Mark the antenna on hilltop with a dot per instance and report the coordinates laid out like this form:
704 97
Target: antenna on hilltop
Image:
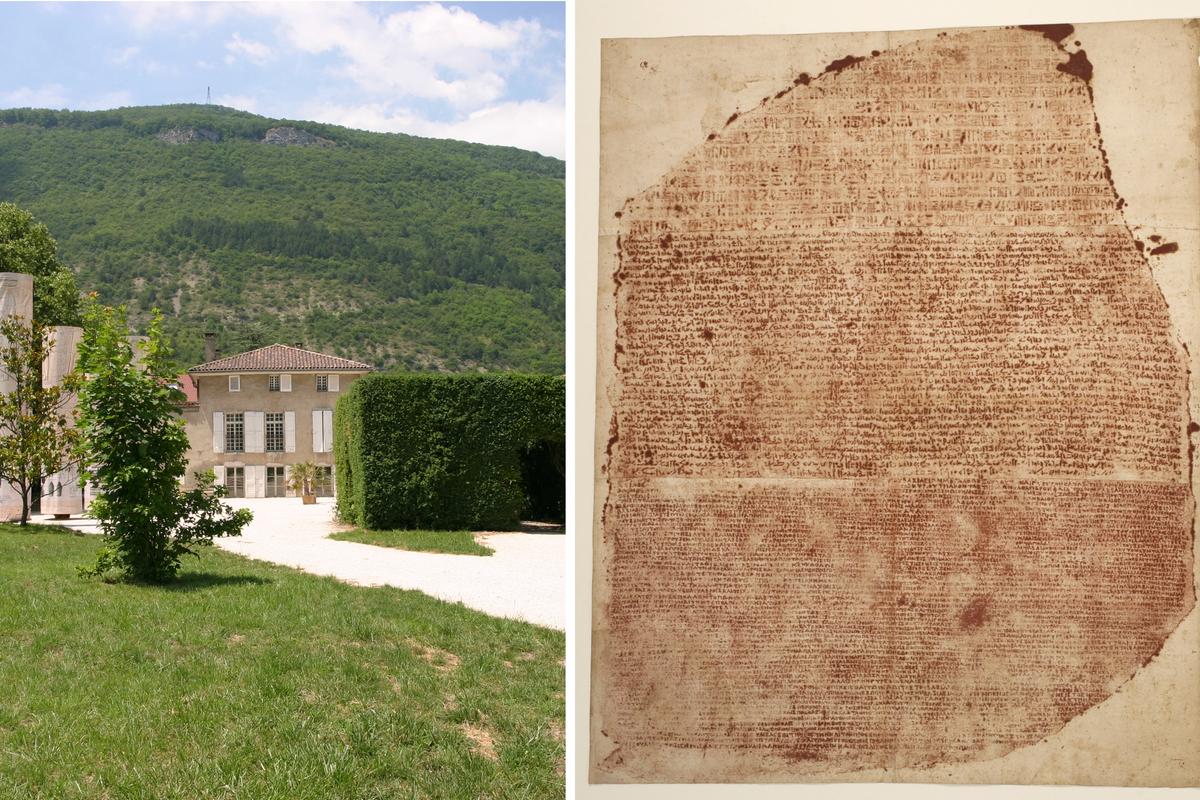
209 100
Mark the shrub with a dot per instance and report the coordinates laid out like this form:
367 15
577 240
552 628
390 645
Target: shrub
443 451
135 453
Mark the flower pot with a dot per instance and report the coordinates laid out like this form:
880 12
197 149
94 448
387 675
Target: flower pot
309 499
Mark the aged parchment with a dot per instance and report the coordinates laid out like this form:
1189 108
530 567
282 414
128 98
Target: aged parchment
897 479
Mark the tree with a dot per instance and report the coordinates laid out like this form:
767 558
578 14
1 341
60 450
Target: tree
134 450
26 246
37 436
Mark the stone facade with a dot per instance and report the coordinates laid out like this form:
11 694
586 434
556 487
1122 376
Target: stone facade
252 416
63 492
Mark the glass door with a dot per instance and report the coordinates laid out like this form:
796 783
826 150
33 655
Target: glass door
235 481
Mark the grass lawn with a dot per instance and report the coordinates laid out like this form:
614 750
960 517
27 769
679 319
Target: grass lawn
247 680
459 542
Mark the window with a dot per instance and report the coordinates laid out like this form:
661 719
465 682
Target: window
274 432
324 481
276 485
273 383
235 383
322 383
235 481
235 433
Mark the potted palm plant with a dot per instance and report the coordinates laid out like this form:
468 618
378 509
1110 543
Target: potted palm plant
302 479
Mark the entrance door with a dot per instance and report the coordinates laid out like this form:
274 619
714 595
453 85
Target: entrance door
276 486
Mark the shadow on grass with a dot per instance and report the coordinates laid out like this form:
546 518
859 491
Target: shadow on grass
193 581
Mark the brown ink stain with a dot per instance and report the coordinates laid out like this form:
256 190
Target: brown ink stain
1055 33
974 615
1165 248
1077 65
842 63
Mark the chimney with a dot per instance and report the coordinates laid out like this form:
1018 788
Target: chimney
210 347
298 345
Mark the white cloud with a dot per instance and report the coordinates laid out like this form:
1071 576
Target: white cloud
106 101
430 51
242 102
49 96
154 16
257 52
529 124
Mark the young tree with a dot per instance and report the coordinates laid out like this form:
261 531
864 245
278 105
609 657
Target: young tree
134 450
37 437
26 246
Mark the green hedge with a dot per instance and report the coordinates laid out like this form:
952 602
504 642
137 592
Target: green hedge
446 451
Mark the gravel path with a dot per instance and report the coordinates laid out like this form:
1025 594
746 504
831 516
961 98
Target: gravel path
524 579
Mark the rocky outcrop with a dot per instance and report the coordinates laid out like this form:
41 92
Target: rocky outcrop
188 135
286 136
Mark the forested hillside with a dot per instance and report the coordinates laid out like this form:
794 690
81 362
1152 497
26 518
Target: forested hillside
392 249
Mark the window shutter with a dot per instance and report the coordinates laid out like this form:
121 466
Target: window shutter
333 383
218 432
219 469
254 432
327 429
287 477
285 384
318 432
289 430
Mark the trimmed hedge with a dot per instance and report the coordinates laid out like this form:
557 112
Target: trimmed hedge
445 451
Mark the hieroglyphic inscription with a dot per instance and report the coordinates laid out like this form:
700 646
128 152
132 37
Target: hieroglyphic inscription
898 471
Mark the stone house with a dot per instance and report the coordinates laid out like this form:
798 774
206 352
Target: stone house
251 416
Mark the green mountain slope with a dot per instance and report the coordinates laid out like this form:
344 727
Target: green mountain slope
392 249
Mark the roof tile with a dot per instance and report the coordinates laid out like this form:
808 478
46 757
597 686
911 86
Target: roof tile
281 358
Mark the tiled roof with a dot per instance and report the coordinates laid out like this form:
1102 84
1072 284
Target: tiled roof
191 393
281 358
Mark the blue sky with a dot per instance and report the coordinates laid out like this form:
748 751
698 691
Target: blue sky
484 72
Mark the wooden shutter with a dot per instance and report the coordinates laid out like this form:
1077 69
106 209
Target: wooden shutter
333 383
318 432
218 432
327 429
219 469
289 431
285 385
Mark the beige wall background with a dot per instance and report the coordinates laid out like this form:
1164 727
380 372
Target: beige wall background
1140 180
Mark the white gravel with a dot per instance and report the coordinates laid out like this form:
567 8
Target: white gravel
524 579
